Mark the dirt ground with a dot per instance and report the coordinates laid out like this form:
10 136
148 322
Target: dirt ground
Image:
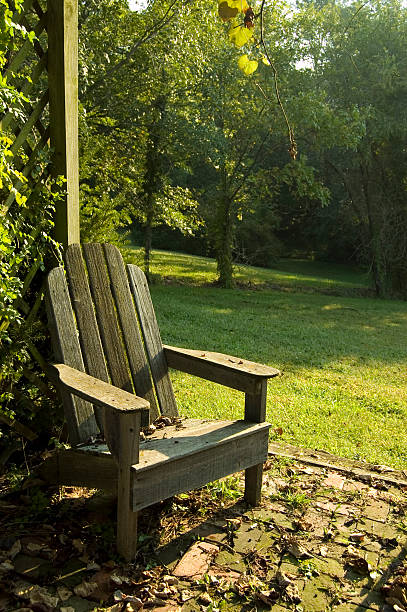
329 535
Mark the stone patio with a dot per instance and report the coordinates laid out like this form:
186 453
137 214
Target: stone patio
323 539
329 535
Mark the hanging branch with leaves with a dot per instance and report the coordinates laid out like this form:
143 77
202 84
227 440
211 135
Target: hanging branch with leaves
242 21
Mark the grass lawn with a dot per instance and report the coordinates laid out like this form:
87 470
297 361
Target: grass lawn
289 274
344 359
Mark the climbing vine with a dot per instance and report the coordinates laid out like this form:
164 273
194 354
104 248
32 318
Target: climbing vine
27 205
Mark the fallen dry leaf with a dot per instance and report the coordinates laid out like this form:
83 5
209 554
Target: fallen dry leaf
6 566
357 536
92 566
84 589
396 604
120 596
186 595
22 589
205 599
162 594
79 545
115 608
298 550
292 593
282 579
15 549
64 593
40 595
356 561
268 597
34 547
155 602
302 525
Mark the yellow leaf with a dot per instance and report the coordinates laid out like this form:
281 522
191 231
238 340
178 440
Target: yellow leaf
20 199
241 5
240 35
247 66
227 12
243 61
265 61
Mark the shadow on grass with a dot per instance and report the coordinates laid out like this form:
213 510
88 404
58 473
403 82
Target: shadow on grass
277 328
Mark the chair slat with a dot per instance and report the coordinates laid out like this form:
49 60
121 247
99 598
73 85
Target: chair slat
89 337
79 413
130 327
106 316
152 341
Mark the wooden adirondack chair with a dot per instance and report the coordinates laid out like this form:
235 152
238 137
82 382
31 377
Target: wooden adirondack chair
106 339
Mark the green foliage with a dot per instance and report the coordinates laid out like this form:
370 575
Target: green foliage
28 242
22 242
357 125
26 228
130 136
174 207
169 121
293 499
227 488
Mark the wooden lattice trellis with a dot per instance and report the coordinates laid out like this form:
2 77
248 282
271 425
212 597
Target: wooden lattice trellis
46 131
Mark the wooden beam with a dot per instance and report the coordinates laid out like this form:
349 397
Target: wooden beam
62 29
76 467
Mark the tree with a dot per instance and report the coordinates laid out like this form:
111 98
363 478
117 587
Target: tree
360 130
138 116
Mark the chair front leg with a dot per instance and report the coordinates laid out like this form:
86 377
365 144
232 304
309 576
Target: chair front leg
128 455
255 411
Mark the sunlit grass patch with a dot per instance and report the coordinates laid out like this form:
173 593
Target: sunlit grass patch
343 359
288 273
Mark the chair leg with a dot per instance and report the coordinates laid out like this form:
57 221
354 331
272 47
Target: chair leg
128 454
255 411
253 480
126 522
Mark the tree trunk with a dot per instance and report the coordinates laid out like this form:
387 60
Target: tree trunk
224 243
153 179
148 234
378 277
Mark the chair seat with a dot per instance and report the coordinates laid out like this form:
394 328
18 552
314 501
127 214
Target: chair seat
203 450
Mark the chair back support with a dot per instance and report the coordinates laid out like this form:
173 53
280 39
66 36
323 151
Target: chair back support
102 322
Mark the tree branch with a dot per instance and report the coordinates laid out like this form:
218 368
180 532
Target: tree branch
149 35
293 145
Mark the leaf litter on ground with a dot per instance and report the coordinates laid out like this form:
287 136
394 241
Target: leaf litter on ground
72 536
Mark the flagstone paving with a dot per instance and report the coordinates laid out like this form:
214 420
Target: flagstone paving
322 539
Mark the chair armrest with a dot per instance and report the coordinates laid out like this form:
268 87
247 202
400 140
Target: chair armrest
94 390
223 369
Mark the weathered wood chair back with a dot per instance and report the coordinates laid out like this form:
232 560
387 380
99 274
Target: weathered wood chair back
102 322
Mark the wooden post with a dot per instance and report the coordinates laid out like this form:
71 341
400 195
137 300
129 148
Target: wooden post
255 411
63 101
